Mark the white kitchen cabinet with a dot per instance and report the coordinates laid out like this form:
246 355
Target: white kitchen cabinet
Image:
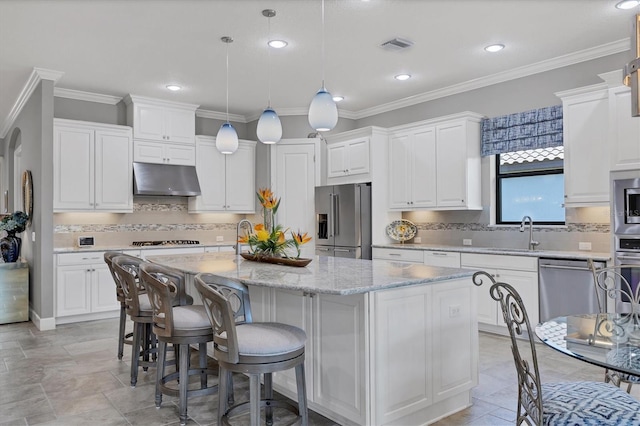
227 182
412 168
352 375
435 164
348 158
92 167
586 150
519 271
624 130
399 254
447 259
164 153
162 121
84 286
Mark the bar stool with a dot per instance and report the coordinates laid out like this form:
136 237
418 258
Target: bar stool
251 348
143 351
123 339
181 325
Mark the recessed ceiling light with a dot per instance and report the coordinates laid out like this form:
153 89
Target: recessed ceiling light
402 77
627 4
173 87
338 98
494 48
277 44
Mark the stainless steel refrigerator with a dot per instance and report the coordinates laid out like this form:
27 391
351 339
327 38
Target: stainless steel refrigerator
343 221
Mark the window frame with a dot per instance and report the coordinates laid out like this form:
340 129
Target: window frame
498 187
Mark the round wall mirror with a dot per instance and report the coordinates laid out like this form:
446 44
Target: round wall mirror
27 193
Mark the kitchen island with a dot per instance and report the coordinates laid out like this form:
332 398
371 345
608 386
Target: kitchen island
388 342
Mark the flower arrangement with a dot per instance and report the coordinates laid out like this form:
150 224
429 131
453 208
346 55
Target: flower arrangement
14 223
269 240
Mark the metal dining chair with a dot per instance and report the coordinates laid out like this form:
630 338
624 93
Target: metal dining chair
620 297
255 349
561 403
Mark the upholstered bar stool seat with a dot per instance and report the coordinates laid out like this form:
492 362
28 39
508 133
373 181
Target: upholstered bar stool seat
123 339
143 352
181 326
251 348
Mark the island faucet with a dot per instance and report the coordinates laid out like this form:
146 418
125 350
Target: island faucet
532 244
242 222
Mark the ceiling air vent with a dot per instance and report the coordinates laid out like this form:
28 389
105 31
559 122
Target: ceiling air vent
396 44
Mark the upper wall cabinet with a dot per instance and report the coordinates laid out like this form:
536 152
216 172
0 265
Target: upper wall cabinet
162 121
586 150
348 158
227 182
92 167
624 129
164 153
435 164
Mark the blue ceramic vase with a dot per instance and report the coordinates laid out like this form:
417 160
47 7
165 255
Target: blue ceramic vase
10 247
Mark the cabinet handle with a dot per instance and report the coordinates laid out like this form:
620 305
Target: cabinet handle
395 254
439 254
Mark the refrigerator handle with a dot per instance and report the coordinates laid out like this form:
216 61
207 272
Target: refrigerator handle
331 218
336 215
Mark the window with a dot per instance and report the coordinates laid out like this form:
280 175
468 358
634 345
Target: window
530 183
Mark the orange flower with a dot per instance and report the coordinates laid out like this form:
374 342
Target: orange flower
243 240
259 227
281 238
264 193
300 238
270 202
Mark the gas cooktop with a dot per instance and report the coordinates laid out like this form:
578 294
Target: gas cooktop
165 243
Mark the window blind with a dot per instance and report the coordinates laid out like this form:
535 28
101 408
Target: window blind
538 128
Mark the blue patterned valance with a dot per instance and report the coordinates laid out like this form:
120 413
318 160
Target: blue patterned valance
538 128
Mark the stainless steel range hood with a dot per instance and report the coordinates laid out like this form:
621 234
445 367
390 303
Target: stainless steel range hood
165 179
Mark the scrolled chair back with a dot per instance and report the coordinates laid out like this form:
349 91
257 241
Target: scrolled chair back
619 285
126 270
165 287
227 304
522 347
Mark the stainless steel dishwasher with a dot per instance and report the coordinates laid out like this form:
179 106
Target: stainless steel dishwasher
566 287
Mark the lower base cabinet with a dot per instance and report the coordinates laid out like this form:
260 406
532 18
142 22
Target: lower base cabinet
401 356
84 288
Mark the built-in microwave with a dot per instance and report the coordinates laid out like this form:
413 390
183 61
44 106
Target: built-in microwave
626 206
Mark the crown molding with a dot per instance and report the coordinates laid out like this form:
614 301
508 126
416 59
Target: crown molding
215 115
37 75
538 67
79 95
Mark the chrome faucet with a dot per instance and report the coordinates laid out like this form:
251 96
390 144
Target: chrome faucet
242 222
532 244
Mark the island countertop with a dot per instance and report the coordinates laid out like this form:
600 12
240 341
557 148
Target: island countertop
329 275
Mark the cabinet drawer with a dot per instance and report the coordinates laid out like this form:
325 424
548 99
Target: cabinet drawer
447 259
404 255
491 261
80 258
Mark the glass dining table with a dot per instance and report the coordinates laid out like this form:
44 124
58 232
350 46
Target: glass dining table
608 340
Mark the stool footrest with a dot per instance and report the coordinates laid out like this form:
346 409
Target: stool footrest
175 391
243 408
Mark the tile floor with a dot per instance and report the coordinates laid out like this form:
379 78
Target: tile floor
71 376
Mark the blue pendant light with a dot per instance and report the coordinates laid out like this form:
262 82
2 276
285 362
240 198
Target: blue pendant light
269 130
323 112
227 138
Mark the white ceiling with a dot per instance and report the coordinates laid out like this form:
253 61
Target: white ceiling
118 47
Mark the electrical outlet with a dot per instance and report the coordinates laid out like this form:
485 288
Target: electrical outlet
417 240
467 242
219 238
584 246
454 311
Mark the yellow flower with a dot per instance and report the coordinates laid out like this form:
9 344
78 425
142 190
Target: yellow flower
262 235
281 238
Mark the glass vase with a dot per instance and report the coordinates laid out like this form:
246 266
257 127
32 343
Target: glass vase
267 215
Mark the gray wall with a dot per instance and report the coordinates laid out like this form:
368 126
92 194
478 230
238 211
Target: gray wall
33 129
522 94
73 109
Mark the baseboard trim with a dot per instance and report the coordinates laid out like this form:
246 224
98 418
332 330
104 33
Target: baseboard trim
42 324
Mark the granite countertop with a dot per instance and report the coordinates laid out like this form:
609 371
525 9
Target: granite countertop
555 254
329 275
132 247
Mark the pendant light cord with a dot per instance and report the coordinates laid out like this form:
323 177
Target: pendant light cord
228 80
269 64
323 54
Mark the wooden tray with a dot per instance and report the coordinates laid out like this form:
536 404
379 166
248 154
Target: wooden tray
276 260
